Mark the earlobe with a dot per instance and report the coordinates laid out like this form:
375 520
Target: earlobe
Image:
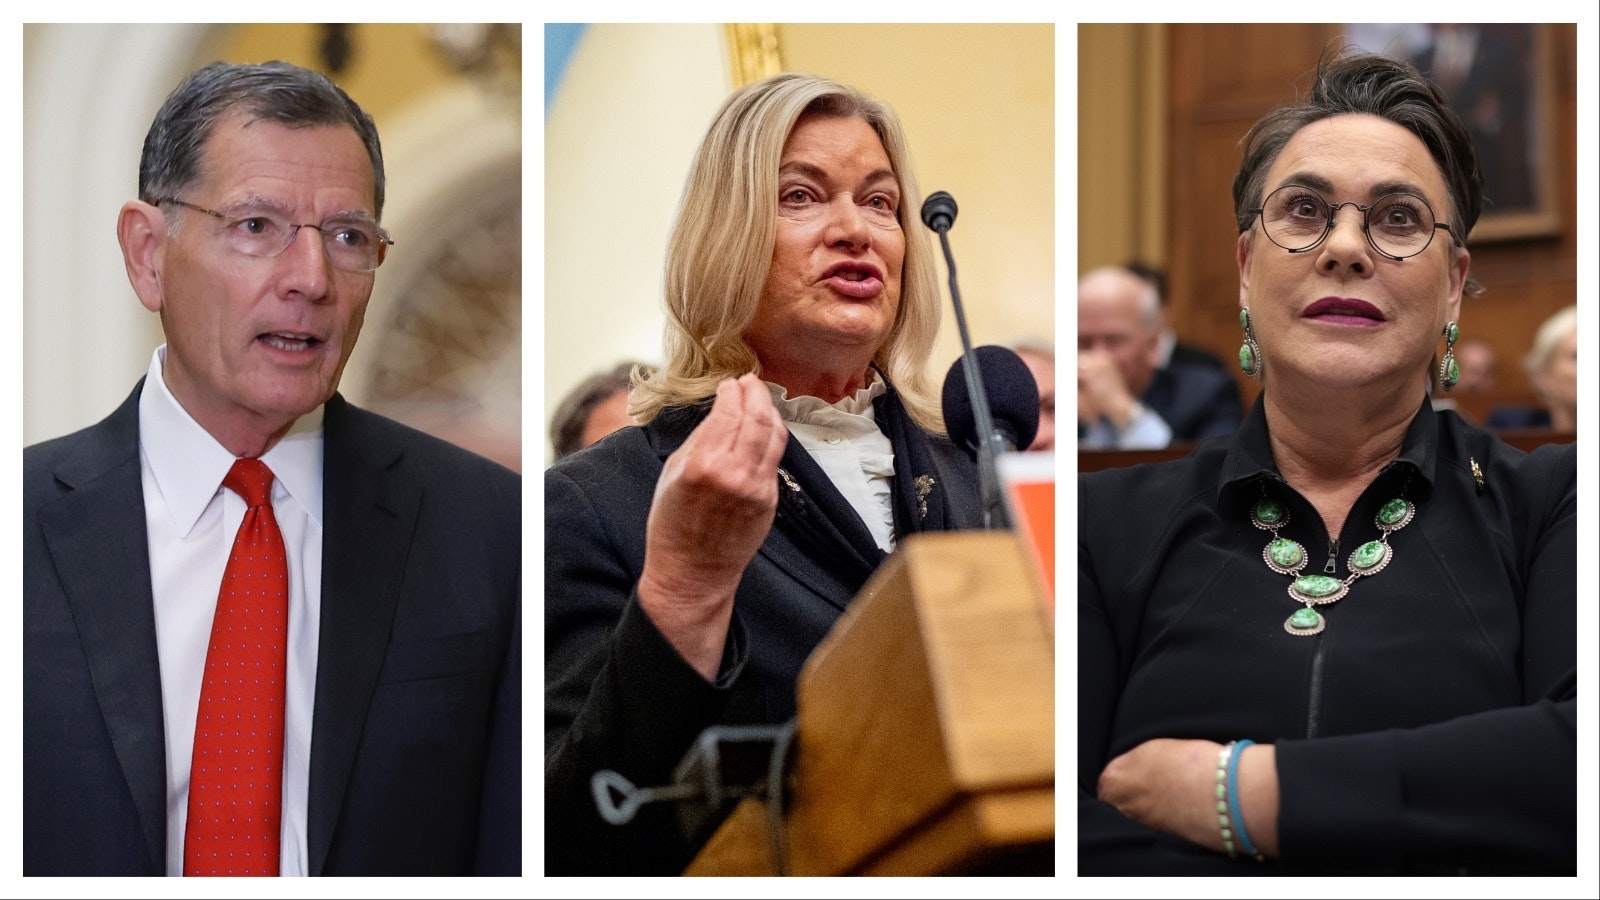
142 233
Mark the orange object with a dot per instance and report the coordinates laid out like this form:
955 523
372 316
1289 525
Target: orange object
1030 490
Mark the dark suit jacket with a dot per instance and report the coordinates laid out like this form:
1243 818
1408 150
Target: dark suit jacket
619 697
416 734
1510 417
1197 402
1190 355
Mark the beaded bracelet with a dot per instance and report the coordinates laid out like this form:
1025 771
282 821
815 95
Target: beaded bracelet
1224 805
1234 811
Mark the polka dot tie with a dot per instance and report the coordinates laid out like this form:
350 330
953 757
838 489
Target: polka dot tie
236 780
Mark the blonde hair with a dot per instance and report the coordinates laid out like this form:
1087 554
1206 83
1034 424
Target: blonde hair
1554 330
722 242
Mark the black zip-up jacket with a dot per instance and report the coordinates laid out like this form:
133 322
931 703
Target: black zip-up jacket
1430 728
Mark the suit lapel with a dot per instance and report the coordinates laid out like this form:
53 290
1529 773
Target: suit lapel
807 541
370 512
97 540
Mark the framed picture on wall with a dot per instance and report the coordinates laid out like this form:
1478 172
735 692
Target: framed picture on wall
1500 79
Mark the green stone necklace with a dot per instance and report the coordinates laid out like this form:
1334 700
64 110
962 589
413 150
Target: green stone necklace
1287 557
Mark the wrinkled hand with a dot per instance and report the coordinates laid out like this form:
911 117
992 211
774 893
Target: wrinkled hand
1169 785
713 506
1102 393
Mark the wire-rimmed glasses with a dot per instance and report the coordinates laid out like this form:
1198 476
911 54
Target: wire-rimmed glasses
351 245
1398 225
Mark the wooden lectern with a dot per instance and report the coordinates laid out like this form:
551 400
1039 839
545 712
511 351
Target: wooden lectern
926 736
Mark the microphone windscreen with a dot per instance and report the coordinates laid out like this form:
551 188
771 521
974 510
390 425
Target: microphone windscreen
939 211
1012 393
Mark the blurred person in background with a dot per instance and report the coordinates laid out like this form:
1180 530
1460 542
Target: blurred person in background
1040 357
594 409
1552 368
1171 350
1126 400
1479 367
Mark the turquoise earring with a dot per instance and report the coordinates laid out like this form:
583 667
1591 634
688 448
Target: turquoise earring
1249 351
1449 369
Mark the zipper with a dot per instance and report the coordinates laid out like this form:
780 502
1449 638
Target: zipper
1319 652
1314 702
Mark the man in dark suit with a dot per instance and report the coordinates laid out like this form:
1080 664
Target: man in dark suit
1126 399
391 713
1171 351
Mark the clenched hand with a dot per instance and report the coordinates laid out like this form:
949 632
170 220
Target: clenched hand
713 507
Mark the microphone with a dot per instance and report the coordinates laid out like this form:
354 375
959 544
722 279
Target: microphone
1013 400
939 213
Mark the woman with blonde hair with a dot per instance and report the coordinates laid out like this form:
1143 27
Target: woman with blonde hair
1552 368
788 441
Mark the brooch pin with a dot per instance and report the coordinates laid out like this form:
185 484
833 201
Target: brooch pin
788 480
1477 474
924 488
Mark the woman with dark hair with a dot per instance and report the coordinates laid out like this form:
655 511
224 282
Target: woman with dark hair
1342 639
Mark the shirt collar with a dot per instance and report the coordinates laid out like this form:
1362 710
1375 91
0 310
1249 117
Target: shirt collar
1249 458
816 411
189 464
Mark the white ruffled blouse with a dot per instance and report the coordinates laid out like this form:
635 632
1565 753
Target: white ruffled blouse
847 443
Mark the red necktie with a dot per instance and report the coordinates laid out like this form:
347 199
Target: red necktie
236 781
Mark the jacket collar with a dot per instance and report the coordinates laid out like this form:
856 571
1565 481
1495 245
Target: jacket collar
1249 459
813 517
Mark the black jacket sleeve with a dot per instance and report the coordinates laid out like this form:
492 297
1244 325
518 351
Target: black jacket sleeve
618 697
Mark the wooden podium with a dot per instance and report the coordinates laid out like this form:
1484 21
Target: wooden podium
926 735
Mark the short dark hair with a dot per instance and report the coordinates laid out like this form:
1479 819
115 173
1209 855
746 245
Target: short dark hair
566 426
272 91
1353 82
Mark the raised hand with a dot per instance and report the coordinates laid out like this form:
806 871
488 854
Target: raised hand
713 506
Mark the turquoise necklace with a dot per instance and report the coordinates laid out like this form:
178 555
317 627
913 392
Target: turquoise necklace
1287 557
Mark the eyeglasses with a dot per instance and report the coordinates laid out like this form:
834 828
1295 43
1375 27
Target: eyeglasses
352 246
1398 226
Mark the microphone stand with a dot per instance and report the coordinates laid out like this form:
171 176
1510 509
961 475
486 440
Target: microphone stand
938 213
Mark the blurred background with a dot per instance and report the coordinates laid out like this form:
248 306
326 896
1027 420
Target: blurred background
626 107
442 344
1161 109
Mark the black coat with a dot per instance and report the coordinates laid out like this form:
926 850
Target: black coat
618 696
1430 728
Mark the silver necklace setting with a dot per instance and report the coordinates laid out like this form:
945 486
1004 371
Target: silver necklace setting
1287 557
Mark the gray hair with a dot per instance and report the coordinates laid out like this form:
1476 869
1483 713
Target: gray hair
1129 280
272 91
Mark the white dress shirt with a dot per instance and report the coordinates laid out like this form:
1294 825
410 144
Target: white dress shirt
847 443
1146 430
191 521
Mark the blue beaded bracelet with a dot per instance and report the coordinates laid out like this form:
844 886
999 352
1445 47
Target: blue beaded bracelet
1234 813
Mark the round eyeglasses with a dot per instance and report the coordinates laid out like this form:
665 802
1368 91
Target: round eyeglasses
1398 226
351 245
